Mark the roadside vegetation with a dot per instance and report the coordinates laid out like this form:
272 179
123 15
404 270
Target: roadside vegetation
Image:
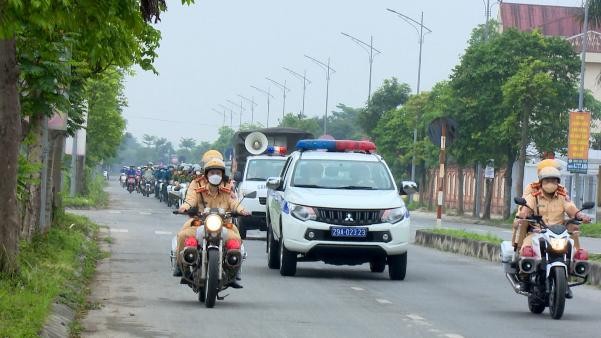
467 235
591 230
93 197
53 266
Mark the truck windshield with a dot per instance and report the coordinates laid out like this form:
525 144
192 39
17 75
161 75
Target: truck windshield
342 174
262 169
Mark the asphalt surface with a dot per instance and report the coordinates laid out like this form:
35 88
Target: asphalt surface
443 295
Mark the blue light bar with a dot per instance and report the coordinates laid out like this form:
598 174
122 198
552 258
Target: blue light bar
329 145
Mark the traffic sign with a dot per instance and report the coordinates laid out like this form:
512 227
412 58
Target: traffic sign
435 130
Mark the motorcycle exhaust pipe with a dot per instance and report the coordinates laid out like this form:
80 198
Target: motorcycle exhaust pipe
233 258
515 285
527 265
582 268
189 255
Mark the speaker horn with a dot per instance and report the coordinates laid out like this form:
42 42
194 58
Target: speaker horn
256 143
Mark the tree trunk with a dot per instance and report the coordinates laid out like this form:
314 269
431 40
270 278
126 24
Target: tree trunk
519 188
423 183
475 194
488 199
30 207
508 184
460 210
10 135
431 180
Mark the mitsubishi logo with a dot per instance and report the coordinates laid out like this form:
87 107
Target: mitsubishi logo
349 218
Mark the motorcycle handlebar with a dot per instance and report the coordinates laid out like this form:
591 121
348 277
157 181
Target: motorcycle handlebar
193 213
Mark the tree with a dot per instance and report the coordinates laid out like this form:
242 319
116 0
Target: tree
389 96
308 124
224 141
110 33
344 123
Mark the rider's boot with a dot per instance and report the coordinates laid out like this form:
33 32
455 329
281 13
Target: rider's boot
569 294
234 284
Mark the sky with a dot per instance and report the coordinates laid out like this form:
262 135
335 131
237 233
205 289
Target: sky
213 51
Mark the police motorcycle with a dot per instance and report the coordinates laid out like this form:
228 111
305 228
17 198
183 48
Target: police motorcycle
209 261
131 183
546 266
123 180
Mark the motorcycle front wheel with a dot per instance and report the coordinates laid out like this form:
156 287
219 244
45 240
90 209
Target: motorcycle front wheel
557 292
212 282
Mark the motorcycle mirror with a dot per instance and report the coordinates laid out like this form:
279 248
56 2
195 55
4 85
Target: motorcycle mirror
588 205
520 201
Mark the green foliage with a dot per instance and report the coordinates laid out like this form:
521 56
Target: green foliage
590 230
344 123
389 96
311 125
24 176
94 197
51 268
489 238
105 123
224 141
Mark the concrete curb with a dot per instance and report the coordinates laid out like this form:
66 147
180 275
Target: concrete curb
479 249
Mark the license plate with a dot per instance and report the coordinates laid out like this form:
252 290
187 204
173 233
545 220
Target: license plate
348 232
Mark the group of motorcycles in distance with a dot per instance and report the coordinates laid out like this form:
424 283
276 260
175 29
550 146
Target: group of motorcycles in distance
168 185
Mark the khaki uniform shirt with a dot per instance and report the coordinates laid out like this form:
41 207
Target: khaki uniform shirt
551 208
198 192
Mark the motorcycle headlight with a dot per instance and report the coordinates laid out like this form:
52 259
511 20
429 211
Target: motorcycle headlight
394 215
558 244
302 212
213 223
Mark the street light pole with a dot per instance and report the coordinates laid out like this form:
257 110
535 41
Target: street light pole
305 82
284 90
369 48
269 96
419 27
231 115
235 104
328 69
252 107
218 112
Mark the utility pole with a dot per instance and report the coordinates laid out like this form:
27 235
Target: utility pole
269 96
305 82
231 114
369 48
252 107
73 190
328 70
284 90
577 184
419 27
241 110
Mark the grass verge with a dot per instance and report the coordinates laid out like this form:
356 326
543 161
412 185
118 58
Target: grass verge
590 230
467 235
96 197
594 257
57 265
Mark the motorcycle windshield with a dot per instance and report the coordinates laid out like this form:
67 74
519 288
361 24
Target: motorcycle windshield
557 229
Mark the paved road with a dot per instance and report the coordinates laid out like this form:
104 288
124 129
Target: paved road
444 295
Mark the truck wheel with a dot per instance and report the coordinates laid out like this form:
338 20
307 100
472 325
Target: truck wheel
273 251
287 260
397 266
377 265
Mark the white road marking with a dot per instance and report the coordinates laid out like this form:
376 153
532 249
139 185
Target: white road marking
415 317
357 288
145 213
119 230
507 231
383 301
158 232
114 212
453 335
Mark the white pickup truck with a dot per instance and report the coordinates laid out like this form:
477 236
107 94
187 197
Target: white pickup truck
258 169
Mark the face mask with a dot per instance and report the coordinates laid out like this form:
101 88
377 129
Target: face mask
550 187
215 179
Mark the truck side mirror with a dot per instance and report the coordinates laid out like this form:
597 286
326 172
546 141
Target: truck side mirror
407 188
274 183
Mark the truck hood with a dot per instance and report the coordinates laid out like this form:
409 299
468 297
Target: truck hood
344 199
258 186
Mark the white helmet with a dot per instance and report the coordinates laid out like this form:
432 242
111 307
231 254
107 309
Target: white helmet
549 172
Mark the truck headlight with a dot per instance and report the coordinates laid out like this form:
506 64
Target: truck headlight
394 215
302 212
213 223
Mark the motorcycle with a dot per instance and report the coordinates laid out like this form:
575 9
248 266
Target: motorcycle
545 267
138 184
147 187
131 184
210 260
123 180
